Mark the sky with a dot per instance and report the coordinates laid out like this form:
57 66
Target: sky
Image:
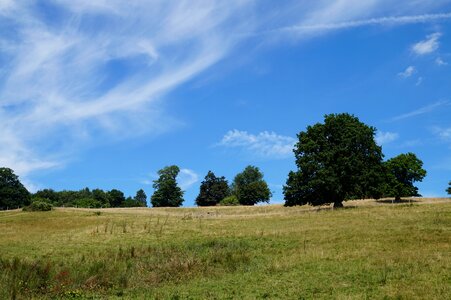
104 93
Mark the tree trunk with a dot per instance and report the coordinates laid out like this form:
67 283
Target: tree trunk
338 204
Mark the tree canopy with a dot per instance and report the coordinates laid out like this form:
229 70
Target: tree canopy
336 160
167 193
212 190
402 171
141 198
449 188
250 188
12 192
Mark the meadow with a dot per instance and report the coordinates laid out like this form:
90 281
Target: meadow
368 250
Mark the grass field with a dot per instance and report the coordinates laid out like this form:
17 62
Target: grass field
369 250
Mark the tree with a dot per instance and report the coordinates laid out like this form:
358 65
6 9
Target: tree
402 171
102 197
12 193
167 193
141 198
116 198
212 190
449 188
48 194
337 160
249 187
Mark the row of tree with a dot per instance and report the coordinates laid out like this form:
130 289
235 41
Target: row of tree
13 194
248 188
336 161
96 198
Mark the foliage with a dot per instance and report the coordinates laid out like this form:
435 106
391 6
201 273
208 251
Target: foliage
97 198
12 193
167 193
336 160
229 201
141 198
402 171
250 188
212 190
101 197
116 198
49 194
88 203
38 206
449 188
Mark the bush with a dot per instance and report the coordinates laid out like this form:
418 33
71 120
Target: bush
38 206
229 201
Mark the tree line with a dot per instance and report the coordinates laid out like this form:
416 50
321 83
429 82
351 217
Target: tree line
336 160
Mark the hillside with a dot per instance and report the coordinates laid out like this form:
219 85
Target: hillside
367 250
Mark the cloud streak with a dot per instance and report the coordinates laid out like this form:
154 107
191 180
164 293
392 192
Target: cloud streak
384 21
264 144
74 79
421 111
82 72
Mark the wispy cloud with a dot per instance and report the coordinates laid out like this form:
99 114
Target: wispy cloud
419 81
74 79
443 133
265 144
427 46
90 71
383 138
386 21
187 178
440 62
421 111
408 72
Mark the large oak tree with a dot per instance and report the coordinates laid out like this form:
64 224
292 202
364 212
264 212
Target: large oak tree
336 160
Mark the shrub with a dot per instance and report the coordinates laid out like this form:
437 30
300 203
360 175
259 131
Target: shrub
229 201
38 206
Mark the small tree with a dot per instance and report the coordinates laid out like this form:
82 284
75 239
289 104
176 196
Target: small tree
141 198
449 188
337 160
12 193
402 171
212 190
167 192
249 187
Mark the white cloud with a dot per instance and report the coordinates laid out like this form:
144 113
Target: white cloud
383 138
440 62
409 71
187 178
57 90
427 46
419 81
313 25
265 144
443 133
423 110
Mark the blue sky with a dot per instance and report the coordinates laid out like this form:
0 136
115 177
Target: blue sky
104 93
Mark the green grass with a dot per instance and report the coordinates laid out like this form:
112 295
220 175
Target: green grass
368 251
